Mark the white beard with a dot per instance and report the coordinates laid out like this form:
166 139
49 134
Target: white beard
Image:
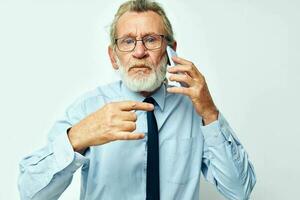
149 82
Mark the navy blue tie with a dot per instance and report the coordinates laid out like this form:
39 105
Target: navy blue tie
152 185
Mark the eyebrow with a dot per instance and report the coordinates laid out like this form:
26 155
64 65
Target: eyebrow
135 36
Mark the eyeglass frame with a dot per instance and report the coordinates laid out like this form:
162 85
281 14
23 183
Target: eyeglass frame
142 40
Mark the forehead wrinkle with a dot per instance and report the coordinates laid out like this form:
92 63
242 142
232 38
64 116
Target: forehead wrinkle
141 23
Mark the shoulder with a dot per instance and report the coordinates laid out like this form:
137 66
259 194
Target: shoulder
96 97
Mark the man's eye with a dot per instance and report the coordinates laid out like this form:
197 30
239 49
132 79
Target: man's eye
150 39
128 41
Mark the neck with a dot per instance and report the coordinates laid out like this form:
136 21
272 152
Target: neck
148 94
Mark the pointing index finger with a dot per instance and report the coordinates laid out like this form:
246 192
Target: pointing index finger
135 105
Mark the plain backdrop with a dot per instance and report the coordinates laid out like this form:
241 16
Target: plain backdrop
52 51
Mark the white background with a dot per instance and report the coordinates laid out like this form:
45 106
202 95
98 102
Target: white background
52 51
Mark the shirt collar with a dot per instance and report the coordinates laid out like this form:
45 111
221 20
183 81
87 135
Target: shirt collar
159 95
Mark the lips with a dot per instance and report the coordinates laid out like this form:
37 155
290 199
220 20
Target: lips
139 68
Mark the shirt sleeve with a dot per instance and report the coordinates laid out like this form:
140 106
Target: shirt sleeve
225 162
47 172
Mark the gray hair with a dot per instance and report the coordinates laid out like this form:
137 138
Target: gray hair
141 6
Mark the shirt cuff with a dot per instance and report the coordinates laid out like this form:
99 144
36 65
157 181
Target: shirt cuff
65 155
219 132
215 133
212 134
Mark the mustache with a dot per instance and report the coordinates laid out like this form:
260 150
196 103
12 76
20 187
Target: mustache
137 64
142 63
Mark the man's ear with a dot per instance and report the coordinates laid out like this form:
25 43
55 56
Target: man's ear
112 56
174 46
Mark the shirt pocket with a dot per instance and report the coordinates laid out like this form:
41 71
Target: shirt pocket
180 161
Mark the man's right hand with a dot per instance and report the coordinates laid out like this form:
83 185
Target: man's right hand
114 121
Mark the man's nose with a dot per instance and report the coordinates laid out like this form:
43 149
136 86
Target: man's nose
139 50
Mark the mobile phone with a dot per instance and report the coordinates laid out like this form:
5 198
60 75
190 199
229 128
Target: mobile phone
171 63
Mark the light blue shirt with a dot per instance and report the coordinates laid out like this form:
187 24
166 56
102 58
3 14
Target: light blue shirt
117 170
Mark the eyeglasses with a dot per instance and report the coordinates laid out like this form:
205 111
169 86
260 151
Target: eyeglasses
151 42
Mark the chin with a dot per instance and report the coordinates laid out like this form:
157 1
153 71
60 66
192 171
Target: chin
139 75
142 84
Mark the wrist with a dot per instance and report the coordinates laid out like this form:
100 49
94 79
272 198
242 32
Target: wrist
210 116
75 140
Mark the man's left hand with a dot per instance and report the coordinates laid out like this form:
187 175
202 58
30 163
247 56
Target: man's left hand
196 88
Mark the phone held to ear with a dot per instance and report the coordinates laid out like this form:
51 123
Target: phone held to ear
171 63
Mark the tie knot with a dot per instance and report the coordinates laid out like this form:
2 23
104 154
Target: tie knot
150 100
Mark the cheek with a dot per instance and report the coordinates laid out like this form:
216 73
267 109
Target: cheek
124 59
156 58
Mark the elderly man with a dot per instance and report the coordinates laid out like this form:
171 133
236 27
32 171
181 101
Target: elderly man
140 138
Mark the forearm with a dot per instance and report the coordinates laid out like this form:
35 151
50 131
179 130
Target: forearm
48 172
233 174
226 161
